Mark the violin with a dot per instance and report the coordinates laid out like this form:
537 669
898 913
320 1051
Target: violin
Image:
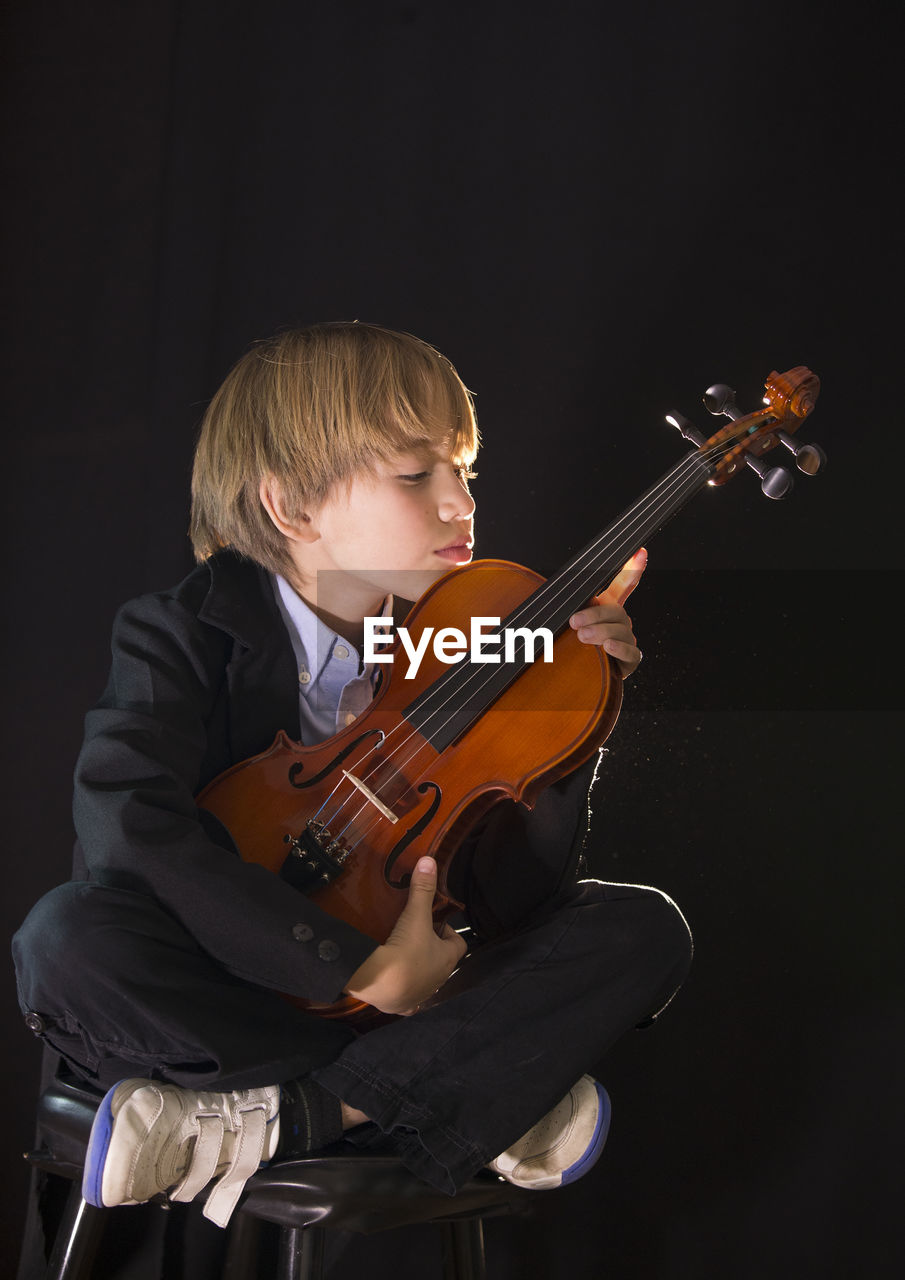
346 820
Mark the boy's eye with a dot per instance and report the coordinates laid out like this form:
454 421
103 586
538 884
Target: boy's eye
463 473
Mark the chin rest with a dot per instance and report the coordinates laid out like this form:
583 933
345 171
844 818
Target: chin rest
338 1188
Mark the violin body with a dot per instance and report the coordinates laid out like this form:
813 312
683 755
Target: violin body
546 724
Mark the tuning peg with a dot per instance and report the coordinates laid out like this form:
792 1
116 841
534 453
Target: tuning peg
776 482
687 428
721 399
809 458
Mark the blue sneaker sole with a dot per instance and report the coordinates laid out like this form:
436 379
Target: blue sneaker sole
98 1146
595 1146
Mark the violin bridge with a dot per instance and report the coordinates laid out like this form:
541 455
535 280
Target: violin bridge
369 795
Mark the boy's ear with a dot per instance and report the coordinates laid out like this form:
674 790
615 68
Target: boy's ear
296 529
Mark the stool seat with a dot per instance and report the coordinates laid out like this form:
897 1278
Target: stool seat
365 1192
341 1187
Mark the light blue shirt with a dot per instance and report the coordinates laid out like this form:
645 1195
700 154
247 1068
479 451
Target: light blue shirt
334 686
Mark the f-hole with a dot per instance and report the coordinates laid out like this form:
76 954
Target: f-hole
409 836
296 769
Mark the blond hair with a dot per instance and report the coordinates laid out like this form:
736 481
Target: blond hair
311 408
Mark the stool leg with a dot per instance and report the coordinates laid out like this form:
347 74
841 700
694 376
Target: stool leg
463 1250
77 1239
301 1254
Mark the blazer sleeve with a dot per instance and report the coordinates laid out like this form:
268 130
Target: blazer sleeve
140 829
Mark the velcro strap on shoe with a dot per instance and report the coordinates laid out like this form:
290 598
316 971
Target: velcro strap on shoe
204 1161
246 1159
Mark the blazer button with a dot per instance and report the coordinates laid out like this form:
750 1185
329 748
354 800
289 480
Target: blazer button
35 1023
328 950
302 932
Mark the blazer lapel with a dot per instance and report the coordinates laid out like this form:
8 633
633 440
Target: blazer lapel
261 677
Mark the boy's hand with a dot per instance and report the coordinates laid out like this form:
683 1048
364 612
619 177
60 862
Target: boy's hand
606 623
415 960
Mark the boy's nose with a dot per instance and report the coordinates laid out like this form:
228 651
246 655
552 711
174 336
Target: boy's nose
457 505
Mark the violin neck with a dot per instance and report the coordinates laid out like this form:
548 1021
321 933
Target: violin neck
595 565
457 699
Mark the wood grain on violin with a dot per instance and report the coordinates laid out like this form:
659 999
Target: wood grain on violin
347 819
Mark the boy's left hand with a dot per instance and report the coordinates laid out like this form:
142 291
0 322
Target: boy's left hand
606 623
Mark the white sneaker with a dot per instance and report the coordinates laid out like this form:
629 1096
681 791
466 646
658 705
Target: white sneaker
150 1139
562 1146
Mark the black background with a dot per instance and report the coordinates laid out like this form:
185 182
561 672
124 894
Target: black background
596 211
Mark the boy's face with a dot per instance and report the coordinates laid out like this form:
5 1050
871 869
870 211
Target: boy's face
396 529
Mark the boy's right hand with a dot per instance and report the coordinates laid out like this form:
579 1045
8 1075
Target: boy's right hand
415 960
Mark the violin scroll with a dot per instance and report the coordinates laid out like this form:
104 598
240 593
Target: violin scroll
789 398
794 393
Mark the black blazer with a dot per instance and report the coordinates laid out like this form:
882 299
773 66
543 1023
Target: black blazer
204 676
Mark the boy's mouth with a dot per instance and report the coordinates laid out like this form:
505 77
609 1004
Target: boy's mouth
457 552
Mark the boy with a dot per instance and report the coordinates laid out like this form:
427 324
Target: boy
331 479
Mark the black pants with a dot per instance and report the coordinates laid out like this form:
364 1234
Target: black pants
118 987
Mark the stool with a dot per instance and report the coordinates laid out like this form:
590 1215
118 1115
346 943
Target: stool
341 1189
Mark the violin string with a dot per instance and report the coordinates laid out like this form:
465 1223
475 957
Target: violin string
671 482
662 494
552 591
474 675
